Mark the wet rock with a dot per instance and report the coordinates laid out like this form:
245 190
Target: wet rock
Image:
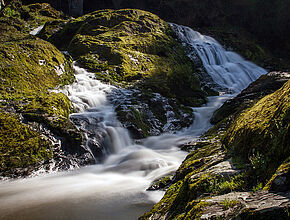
150 114
161 184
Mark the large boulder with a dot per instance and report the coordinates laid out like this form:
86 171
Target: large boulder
261 133
131 46
136 50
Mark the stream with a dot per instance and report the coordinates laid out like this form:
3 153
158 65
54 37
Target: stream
115 188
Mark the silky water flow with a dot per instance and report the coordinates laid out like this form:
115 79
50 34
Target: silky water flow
115 188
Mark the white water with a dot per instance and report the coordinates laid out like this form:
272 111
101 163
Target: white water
228 69
114 189
36 30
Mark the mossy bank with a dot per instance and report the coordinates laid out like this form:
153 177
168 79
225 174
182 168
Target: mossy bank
32 116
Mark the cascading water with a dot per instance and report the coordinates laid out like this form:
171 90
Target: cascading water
116 188
227 69
96 117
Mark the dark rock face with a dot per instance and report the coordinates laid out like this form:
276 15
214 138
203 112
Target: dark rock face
265 85
146 114
76 8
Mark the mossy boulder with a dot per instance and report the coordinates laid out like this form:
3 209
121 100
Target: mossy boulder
32 65
261 133
132 47
280 181
20 146
203 174
219 169
17 20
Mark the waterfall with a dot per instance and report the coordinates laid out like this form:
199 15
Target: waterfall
116 187
226 68
96 116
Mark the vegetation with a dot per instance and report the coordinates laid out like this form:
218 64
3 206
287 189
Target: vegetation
29 68
20 146
261 133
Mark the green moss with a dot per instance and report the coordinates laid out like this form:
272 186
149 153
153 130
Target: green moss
227 204
173 194
20 146
31 16
132 47
29 68
196 209
31 65
162 183
282 171
49 104
261 133
236 183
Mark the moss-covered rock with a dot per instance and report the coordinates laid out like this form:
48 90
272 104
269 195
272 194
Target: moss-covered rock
29 69
261 133
31 65
280 181
17 20
204 184
131 47
263 86
20 146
